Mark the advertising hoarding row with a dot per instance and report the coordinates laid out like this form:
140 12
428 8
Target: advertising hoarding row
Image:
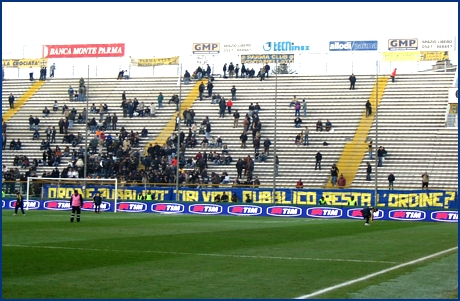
24 63
245 210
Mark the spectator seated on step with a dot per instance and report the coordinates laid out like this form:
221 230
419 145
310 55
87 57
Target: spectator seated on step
212 142
36 135
77 139
225 149
228 159
55 106
297 122
46 112
93 109
298 139
293 101
319 125
328 125
204 143
144 132
224 178
218 142
44 145
262 157
257 108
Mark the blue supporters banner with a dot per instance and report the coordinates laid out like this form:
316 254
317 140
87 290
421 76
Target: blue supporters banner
440 199
353 45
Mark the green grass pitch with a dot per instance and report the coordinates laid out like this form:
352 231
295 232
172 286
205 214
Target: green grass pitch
144 255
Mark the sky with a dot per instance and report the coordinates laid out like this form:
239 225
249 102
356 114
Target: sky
165 29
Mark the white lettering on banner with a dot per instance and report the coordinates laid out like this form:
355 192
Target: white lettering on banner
105 50
87 50
56 51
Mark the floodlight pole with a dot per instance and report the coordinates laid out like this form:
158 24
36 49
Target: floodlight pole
274 135
376 159
178 133
85 171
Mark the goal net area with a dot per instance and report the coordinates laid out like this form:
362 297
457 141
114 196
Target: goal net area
59 191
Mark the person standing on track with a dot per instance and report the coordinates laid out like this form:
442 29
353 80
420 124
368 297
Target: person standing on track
19 203
76 202
97 200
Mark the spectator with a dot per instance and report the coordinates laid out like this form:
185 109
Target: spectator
297 108
36 123
328 125
342 181
11 100
46 112
352 80
209 87
236 117
144 132
186 77
297 122
298 139
368 108
319 125
70 92
233 91
380 155
393 75
225 70
160 100
201 90
299 184
256 182
229 106
222 106
305 136
36 135
391 179
293 101
31 123
237 70
318 158
262 157
368 171
334 174
267 70
304 107
231 70
267 144
369 149
425 179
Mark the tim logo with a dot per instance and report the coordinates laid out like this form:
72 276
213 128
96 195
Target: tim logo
324 212
210 48
445 216
168 208
244 210
407 215
402 44
27 204
284 211
56 205
131 207
356 213
89 206
205 209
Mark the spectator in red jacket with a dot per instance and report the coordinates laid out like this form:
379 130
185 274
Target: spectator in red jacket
393 75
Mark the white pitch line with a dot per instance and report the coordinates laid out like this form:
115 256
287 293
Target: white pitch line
205 254
331 288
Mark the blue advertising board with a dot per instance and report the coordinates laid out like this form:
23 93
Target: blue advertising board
353 45
441 199
243 209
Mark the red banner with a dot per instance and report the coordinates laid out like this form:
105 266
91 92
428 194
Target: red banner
84 50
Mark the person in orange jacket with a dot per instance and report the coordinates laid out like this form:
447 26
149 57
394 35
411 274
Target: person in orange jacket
393 75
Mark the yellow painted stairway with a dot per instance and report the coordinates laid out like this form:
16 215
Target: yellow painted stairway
18 103
171 124
354 150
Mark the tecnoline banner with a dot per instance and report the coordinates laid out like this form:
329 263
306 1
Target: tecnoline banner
24 63
440 199
84 50
241 209
353 45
